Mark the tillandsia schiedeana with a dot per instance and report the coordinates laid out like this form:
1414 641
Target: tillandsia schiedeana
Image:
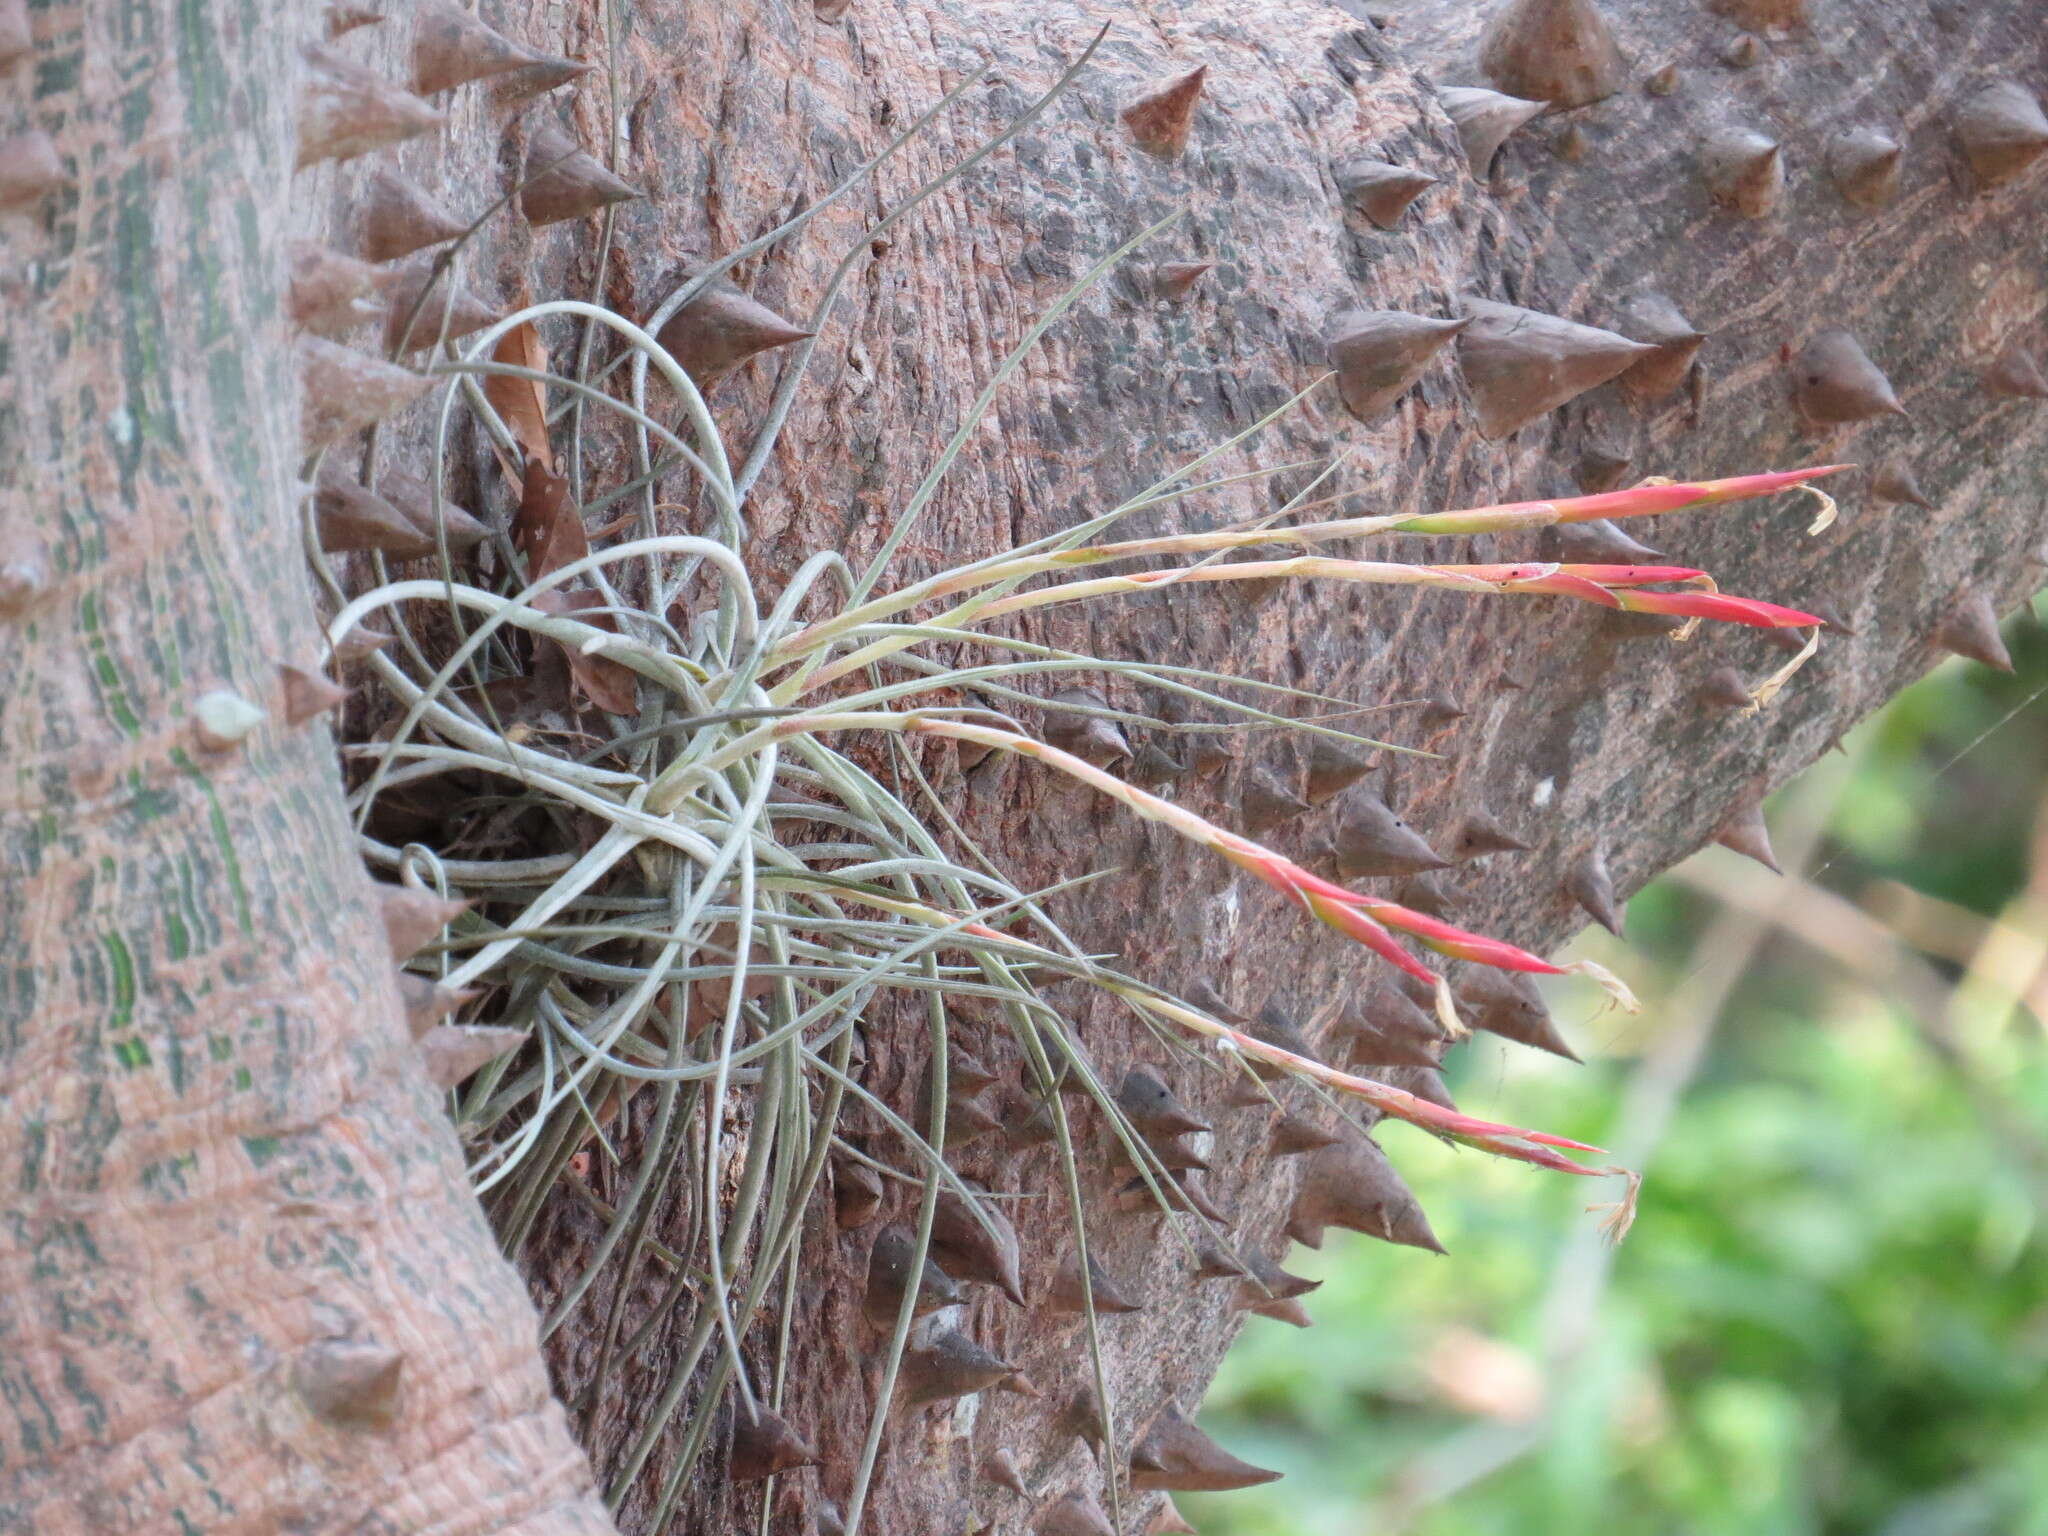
745 858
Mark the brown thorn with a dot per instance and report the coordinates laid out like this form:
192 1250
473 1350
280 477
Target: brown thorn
1894 481
1379 354
764 1446
2003 132
342 391
1520 364
949 1365
1264 801
1745 52
1066 1297
970 1250
1834 381
1590 885
1483 834
1558 51
1000 1467
547 72
450 47
856 1193
1332 769
1295 1134
345 111
330 293
1160 121
1173 281
414 918
2016 375
1864 164
1724 688
1072 1514
1506 1003
1093 738
351 1383
1167 1520
1746 832
1652 318
1352 1185
436 522
1484 119
423 306
307 693
566 183
1970 629
1153 1108
398 217
1372 840
1286 1310
1744 171
454 1053
351 518
427 1002
720 329
889 1264
1599 542
1380 191
1174 1453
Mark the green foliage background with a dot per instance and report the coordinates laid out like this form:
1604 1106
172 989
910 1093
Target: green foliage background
1832 1313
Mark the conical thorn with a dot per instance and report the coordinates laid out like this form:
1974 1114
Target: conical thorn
1744 171
720 329
454 1053
1379 354
1160 121
1174 1453
1559 51
450 47
2003 131
1592 887
345 111
351 1383
1745 831
1380 191
565 183
307 693
1520 363
1970 629
1484 119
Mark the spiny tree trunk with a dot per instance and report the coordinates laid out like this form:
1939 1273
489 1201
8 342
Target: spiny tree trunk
243 1285
166 556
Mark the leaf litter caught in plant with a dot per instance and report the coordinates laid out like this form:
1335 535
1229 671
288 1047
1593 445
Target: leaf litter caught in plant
549 532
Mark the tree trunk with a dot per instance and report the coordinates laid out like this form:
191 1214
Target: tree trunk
243 1285
167 885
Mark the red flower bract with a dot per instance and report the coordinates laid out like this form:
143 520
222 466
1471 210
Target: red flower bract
1716 605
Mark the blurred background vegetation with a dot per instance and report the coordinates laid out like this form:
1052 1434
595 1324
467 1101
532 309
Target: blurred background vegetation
1832 1313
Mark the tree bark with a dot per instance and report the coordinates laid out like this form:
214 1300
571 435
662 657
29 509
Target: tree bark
243 1285
1579 730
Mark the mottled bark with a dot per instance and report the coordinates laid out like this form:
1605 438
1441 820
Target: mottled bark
229 1199
1579 729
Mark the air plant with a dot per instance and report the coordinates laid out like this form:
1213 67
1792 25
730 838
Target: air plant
754 861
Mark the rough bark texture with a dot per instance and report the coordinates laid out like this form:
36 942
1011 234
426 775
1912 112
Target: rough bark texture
218 1153
1581 728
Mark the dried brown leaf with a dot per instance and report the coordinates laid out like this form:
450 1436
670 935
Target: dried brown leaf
549 532
522 403
605 682
549 528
